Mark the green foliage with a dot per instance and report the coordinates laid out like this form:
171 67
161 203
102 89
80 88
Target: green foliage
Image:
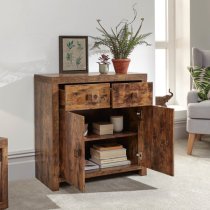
69 57
78 61
70 44
122 40
79 46
201 80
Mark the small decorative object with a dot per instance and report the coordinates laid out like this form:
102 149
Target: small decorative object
121 41
86 130
161 100
73 54
103 64
102 128
117 122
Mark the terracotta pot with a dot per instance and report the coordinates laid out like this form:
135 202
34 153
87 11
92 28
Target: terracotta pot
121 65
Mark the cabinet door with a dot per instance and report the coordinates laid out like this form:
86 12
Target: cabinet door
156 139
72 155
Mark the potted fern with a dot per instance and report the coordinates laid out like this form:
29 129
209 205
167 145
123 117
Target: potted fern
121 41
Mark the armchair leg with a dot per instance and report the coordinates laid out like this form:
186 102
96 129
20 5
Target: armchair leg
191 140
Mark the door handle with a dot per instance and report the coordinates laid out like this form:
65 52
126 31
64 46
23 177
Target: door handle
77 153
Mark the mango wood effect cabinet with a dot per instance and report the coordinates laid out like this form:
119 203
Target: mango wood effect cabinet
64 103
3 173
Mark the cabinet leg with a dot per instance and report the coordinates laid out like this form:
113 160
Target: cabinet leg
143 171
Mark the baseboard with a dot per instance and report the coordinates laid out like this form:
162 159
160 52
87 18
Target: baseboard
21 165
180 129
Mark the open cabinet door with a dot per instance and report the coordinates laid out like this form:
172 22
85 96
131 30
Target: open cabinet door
156 138
72 155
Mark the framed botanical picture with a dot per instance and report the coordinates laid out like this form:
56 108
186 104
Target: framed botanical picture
73 54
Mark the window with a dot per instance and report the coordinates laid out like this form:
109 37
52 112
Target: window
164 53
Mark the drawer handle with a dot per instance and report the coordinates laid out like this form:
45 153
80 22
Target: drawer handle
92 98
89 97
133 96
77 153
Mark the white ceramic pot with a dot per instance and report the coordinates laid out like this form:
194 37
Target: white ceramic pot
103 68
117 122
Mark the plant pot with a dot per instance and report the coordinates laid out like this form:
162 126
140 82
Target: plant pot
121 65
103 68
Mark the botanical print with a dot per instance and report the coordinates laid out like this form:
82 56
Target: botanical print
74 54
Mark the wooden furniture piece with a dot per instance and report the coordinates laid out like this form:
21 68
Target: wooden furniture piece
3 173
64 103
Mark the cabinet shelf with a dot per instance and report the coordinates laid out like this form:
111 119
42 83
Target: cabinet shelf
111 170
95 137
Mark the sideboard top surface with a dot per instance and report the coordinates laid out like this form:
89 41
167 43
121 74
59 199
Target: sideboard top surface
90 77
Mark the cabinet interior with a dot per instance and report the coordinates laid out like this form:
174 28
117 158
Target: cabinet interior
96 115
128 137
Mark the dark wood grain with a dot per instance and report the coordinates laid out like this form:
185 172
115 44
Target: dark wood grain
156 139
61 148
72 149
91 78
145 134
130 124
131 94
163 160
86 96
95 137
111 170
47 134
3 173
46 94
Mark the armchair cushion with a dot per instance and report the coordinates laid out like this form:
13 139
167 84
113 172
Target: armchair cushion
192 97
201 79
199 110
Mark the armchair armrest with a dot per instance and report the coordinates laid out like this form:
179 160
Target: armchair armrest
192 97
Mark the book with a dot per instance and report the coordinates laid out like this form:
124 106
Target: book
107 154
103 126
102 132
107 146
120 163
89 165
109 160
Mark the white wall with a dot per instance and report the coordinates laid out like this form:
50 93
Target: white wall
192 30
29 44
199 27
182 44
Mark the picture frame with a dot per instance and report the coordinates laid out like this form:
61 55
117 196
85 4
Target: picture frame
73 54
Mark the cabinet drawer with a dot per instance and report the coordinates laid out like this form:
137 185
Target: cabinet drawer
131 94
87 96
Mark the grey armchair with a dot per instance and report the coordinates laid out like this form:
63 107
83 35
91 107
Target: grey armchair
198 113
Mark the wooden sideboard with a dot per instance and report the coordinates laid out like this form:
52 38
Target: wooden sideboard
3 173
65 102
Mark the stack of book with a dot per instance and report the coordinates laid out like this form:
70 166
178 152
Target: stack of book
103 128
89 165
109 155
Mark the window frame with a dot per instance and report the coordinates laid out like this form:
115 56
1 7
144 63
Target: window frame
169 46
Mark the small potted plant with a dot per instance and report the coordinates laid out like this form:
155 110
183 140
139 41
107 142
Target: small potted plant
103 64
121 41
